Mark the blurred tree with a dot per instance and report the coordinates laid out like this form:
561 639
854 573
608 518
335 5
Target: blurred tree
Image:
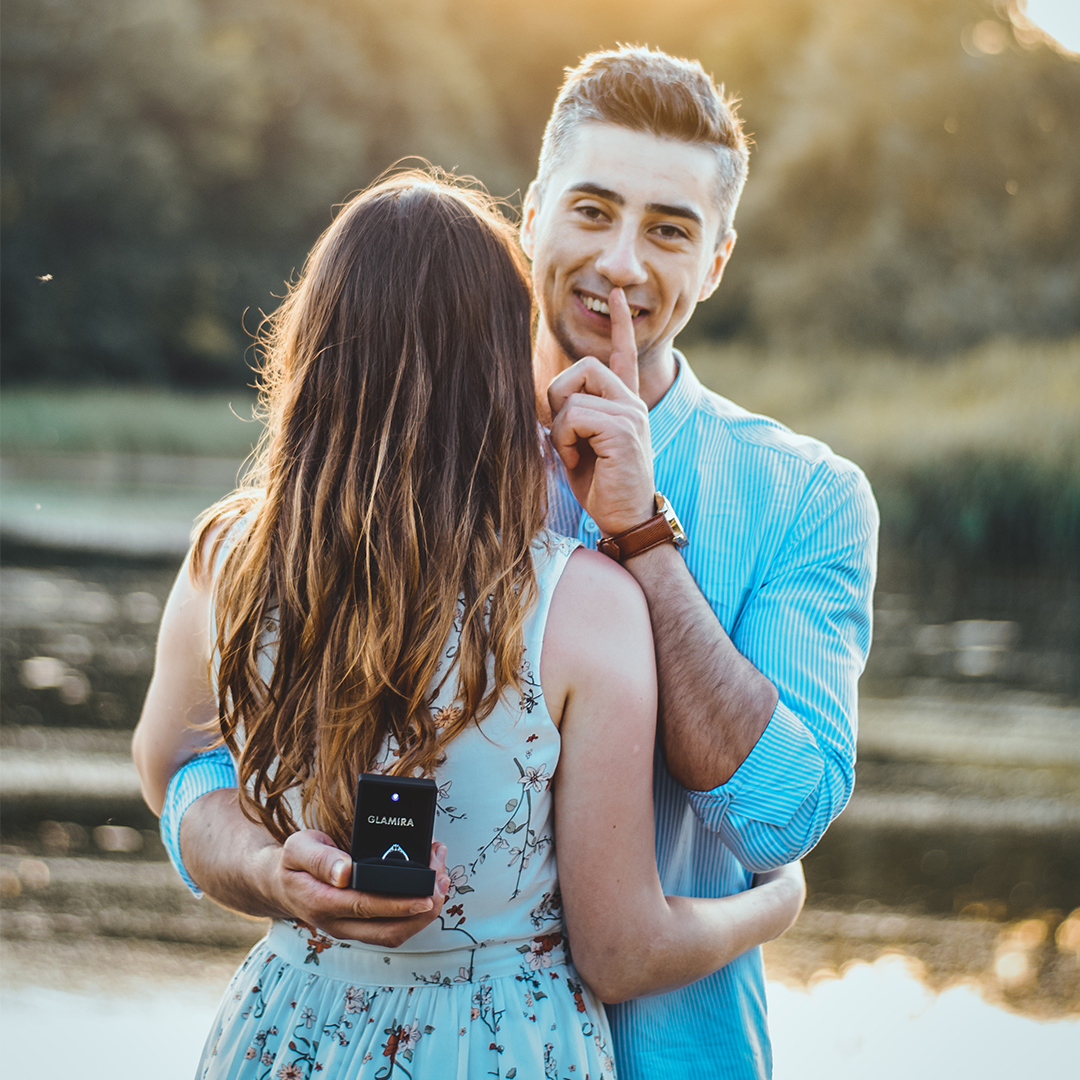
912 194
168 162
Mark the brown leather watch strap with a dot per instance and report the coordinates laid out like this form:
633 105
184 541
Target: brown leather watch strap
644 537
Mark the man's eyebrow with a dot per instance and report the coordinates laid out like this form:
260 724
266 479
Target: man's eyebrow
675 211
587 188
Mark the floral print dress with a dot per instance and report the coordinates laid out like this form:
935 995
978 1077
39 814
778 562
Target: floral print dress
488 989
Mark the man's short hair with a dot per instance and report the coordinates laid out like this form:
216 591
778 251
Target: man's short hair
647 90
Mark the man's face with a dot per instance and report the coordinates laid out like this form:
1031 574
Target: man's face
627 209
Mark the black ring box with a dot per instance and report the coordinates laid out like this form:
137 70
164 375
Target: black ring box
391 842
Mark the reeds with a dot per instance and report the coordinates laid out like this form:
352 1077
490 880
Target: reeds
976 456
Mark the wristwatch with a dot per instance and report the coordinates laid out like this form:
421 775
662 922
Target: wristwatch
664 527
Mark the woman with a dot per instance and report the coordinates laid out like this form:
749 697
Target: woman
387 599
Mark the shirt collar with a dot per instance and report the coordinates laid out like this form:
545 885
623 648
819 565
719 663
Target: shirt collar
674 408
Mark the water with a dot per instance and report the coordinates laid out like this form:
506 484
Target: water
942 931
876 1021
154 1032
880 1022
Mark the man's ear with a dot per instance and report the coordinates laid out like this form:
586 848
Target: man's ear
720 260
528 219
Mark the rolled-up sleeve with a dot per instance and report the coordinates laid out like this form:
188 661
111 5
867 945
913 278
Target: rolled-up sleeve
807 628
209 771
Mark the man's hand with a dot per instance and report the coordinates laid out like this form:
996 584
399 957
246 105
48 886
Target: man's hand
600 430
237 863
311 883
714 704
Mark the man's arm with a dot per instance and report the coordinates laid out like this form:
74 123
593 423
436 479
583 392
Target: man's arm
720 702
714 704
808 627
761 727
238 864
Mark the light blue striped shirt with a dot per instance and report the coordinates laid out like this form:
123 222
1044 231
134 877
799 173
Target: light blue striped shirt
783 546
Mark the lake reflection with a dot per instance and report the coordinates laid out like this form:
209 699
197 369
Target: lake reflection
1028 966
133 1010
881 1021
942 932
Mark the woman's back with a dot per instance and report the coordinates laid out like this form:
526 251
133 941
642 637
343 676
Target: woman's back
495 809
485 989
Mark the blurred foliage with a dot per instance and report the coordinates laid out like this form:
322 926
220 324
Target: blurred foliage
984 512
129 420
975 457
1004 398
169 162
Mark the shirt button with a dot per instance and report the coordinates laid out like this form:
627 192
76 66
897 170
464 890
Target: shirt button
590 526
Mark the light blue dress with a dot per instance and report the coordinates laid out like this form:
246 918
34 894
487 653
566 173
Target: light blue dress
488 989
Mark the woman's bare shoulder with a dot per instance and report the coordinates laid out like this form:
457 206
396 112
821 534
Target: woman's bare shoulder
597 628
216 530
592 587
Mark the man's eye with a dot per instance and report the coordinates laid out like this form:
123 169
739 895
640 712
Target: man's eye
670 232
593 213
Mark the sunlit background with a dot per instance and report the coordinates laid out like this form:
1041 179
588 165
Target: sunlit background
906 286
1058 20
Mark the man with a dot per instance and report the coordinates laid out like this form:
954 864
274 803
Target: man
761 620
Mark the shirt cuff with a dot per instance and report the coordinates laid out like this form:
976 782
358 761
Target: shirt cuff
209 771
784 767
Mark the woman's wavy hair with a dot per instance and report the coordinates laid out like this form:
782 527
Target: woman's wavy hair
395 493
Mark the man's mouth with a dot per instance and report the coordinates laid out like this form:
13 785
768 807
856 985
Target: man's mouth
600 307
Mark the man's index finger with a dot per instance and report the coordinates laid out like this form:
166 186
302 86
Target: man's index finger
623 346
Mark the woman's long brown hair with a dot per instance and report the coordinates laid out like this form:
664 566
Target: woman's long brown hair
397 489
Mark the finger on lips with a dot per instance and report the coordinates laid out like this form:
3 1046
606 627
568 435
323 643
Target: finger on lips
623 344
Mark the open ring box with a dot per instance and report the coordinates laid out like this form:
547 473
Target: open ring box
391 841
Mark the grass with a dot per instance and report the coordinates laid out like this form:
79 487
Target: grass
126 420
1003 400
1012 400
975 458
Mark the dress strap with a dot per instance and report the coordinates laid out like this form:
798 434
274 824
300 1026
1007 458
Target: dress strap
551 553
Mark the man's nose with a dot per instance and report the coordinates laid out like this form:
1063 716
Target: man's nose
620 261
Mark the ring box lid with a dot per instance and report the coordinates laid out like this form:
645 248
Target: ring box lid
391 843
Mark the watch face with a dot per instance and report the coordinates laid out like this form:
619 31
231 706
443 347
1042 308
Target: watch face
665 508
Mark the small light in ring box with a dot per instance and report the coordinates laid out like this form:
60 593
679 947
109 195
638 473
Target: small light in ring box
395 797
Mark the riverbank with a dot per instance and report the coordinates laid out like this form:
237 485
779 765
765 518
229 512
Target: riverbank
974 457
